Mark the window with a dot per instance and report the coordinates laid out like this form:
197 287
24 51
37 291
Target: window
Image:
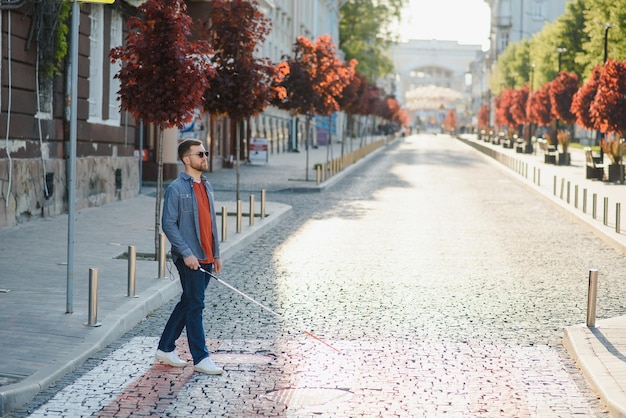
106 33
539 10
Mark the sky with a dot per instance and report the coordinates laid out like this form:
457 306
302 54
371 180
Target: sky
465 21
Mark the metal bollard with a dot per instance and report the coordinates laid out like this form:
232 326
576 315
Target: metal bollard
263 195
538 177
584 200
554 186
239 215
618 210
576 196
92 319
224 223
161 258
605 213
567 193
251 209
594 203
591 298
132 270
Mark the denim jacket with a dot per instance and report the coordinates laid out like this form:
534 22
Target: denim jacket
180 218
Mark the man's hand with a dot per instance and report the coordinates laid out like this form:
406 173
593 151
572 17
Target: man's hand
217 266
192 262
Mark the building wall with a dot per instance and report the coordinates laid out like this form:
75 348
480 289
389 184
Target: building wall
36 132
514 20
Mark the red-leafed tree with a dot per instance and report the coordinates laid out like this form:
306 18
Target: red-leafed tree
163 74
581 103
609 110
540 110
519 100
349 102
244 84
484 114
315 81
403 118
503 109
562 90
609 106
450 120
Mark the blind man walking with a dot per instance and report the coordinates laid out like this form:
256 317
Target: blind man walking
189 223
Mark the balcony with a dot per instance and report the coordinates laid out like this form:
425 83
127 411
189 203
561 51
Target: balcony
504 21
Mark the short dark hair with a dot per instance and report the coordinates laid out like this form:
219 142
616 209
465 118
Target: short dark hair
184 146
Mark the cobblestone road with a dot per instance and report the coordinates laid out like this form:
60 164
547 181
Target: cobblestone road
444 283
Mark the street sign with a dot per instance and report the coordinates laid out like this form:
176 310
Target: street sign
257 150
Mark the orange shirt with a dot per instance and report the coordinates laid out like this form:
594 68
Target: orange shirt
206 223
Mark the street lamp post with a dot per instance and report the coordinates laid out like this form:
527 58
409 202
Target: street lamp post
607 26
560 50
529 144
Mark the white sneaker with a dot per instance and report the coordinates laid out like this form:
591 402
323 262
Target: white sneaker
207 366
170 358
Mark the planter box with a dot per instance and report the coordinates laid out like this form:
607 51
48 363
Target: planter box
564 158
616 173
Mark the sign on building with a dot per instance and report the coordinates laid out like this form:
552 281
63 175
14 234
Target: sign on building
257 150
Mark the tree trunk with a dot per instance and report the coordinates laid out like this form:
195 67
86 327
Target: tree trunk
306 145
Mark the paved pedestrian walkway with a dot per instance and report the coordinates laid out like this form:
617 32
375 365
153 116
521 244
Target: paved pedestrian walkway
39 342
599 351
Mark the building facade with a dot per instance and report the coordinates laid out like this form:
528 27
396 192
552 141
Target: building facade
514 20
431 78
35 111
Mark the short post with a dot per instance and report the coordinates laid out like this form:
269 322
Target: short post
161 258
239 215
251 209
576 196
562 188
618 210
538 177
535 175
318 172
132 270
584 200
567 193
591 298
224 223
605 211
92 318
263 204
554 186
594 203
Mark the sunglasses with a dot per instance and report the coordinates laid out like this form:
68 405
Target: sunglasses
202 154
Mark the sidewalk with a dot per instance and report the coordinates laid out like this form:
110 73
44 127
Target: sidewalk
600 351
40 343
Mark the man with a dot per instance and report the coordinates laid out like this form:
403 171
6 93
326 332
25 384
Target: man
189 224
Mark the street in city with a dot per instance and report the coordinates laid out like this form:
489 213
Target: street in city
443 283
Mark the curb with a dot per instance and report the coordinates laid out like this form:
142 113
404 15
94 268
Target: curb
584 346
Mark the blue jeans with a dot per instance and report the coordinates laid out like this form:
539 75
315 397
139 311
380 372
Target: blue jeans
188 312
